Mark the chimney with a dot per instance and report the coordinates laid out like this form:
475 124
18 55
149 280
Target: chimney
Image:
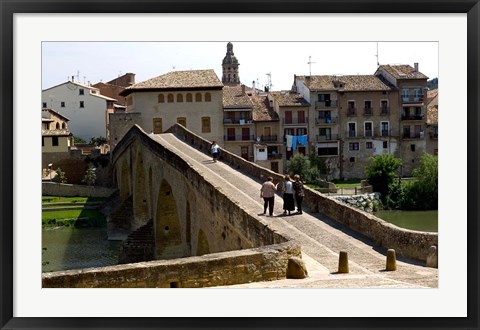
254 91
72 78
243 89
415 65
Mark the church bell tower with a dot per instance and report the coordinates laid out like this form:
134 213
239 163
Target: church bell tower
230 67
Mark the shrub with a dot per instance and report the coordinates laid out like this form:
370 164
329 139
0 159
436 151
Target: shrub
381 172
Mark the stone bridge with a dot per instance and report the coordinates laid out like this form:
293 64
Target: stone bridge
187 221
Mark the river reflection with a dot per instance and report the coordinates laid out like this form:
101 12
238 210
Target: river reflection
74 248
415 220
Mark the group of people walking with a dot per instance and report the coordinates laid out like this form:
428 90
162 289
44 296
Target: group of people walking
293 193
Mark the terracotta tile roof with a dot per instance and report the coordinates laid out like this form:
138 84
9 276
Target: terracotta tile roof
432 98
289 99
262 110
234 98
350 83
178 80
403 71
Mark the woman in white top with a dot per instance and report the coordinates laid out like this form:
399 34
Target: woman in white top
215 151
288 201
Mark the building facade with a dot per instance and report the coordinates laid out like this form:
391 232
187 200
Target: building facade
86 108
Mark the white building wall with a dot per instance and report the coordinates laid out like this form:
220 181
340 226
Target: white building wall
86 122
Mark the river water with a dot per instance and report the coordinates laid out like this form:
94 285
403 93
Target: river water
415 220
75 248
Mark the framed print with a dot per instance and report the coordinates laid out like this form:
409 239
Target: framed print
286 44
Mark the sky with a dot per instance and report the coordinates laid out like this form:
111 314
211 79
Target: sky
103 61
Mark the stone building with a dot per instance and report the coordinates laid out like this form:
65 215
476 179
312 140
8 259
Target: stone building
56 137
114 87
412 87
432 122
192 98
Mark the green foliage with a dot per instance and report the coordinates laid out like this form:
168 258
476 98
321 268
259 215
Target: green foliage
90 176
299 164
381 172
98 141
77 139
420 193
60 176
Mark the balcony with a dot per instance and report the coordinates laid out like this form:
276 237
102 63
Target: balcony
367 111
326 104
273 156
412 99
295 121
412 135
326 120
412 117
233 138
384 110
330 137
269 138
234 121
351 112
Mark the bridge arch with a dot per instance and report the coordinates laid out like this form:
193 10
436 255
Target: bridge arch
168 233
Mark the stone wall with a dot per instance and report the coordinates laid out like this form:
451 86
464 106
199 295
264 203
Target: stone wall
228 268
71 190
407 243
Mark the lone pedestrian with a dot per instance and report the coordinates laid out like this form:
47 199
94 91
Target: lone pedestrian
288 201
267 192
298 192
215 151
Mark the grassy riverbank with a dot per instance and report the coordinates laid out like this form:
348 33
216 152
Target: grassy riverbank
73 211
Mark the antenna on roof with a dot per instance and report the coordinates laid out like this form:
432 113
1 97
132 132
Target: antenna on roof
269 81
378 63
310 64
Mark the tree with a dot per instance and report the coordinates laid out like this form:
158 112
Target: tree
381 172
424 191
60 176
77 139
299 164
90 176
98 141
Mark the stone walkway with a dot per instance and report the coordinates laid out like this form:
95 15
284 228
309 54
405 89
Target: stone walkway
321 239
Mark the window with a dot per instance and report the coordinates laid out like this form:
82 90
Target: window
44 104
301 117
157 125
412 147
208 97
57 126
198 97
179 98
325 133
352 159
351 108
301 131
64 126
206 125
383 107
368 128
189 97
385 144
161 98
55 141
82 105
369 145
368 107
43 141
329 149
352 129
170 98
405 95
384 128
81 91
62 104
182 121
353 146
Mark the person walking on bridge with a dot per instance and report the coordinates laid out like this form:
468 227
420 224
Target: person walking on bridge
299 193
267 192
215 151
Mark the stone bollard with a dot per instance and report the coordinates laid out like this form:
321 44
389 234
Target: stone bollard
343 262
391 260
432 257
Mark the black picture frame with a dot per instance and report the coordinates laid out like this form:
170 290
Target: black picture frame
10 7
